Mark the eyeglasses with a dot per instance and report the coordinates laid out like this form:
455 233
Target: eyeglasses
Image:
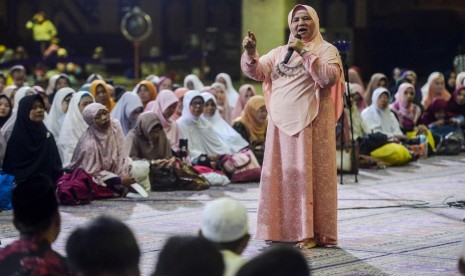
199 103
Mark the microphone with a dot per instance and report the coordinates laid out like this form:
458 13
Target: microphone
290 51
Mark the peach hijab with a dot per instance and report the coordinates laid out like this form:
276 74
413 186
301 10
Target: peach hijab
287 122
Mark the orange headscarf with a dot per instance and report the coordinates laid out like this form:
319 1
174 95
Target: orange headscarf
249 114
93 90
150 86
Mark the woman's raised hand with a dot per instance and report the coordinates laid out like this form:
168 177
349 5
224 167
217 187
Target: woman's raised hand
250 43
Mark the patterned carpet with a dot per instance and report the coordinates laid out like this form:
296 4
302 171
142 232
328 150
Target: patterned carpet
392 222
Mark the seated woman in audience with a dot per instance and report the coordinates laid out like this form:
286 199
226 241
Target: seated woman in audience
73 126
438 120
358 105
198 131
55 83
126 111
164 107
32 149
433 89
7 128
192 82
55 118
231 92
148 141
450 77
251 125
407 112
356 94
101 151
6 108
101 94
246 92
354 77
146 91
219 125
219 90
180 95
164 83
377 80
459 80
456 105
378 116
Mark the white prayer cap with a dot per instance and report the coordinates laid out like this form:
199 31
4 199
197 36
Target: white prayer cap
224 220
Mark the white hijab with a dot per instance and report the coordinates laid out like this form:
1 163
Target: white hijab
55 118
73 127
379 120
231 93
199 132
198 85
7 128
223 129
123 109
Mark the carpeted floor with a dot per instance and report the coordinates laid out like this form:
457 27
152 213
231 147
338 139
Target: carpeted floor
392 222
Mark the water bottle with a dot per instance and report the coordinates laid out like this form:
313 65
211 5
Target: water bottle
422 138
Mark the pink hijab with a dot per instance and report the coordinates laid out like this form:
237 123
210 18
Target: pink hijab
242 100
100 151
318 46
429 94
164 99
179 94
407 113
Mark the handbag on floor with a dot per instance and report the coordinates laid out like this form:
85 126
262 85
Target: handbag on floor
162 179
450 144
242 166
75 188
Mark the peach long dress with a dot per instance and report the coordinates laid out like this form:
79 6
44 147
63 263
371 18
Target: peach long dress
298 188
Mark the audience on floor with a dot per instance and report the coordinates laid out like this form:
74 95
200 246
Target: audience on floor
102 129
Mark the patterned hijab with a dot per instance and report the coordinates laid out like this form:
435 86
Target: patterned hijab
100 150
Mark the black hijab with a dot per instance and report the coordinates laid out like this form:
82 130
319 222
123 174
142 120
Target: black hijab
4 119
31 148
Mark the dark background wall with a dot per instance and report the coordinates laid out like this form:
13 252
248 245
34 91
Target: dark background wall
418 34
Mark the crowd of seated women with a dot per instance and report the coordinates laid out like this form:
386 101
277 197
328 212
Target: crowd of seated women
403 111
102 131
